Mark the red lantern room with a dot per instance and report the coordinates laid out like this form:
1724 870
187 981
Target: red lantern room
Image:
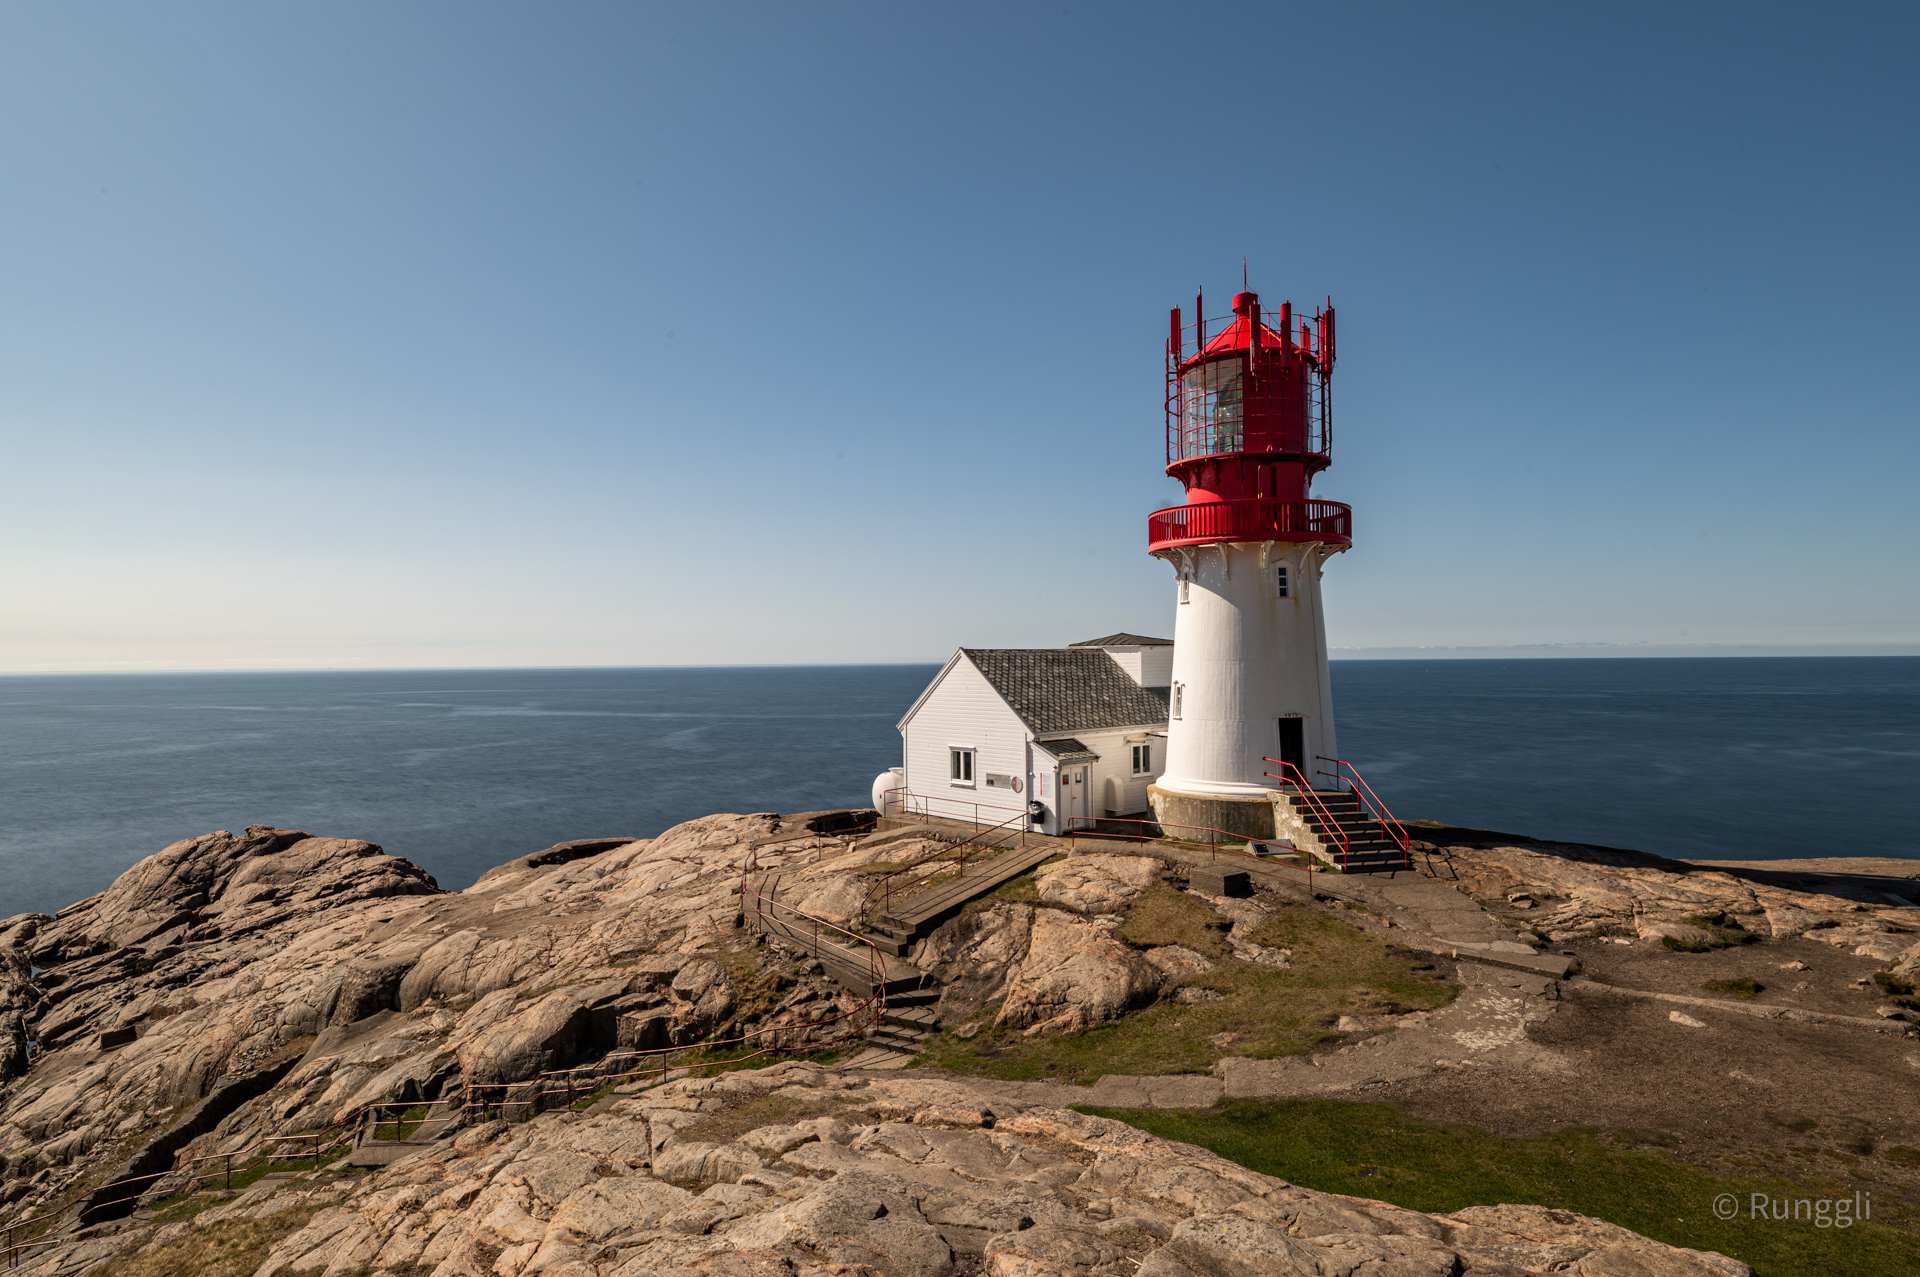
1249 424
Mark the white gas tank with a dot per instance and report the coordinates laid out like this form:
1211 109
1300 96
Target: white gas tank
884 785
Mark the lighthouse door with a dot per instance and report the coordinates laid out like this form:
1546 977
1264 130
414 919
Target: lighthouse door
1293 748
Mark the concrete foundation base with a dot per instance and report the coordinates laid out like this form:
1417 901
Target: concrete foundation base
1249 817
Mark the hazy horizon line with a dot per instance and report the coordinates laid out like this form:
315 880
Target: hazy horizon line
1462 651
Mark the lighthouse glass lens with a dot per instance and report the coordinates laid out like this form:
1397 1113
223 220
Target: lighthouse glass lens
1210 411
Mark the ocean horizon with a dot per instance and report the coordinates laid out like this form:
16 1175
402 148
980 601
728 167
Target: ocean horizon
462 769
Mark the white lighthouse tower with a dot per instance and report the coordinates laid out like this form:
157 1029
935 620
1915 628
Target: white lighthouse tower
1248 428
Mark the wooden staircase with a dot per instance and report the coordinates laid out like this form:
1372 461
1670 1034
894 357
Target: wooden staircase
907 1014
906 993
910 917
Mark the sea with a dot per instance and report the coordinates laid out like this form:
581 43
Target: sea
1750 758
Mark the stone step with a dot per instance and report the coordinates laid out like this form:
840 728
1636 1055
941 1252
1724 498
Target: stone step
924 996
923 1018
874 1057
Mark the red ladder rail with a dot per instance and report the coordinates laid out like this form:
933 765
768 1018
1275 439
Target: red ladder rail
1299 782
1377 809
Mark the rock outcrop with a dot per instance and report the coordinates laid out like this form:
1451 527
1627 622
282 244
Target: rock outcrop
224 956
1574 890
1096 884
1075 975
872 1177
232 988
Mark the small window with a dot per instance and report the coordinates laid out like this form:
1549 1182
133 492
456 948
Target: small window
1143 760
1178 688
1281 586
960 770
1185 581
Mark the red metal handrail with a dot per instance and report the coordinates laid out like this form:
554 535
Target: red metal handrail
1073 836
1250 519
1299 781
1375 807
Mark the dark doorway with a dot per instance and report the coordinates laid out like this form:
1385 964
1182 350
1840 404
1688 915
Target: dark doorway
1293 746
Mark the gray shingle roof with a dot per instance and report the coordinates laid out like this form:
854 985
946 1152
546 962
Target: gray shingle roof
1124 640
1068 689
1068 750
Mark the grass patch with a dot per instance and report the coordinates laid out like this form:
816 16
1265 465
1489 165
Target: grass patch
1337 970
1742 987
228 1248
218 1186
1374 1150
1162 916
402 1126
1892 984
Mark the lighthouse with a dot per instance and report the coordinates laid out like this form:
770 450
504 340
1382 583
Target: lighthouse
1249 425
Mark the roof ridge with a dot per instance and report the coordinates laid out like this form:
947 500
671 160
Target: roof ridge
1062 690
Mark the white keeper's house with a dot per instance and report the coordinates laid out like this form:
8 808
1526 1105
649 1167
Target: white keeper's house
1047 734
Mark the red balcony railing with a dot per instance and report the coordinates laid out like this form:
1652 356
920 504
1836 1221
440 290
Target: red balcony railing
1257 519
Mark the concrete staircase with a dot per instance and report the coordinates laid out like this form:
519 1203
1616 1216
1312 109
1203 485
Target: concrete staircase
906 1022
1369 848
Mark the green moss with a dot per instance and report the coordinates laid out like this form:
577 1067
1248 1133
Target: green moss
1374 1150
1742 987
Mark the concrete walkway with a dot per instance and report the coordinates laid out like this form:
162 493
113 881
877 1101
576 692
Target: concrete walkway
1434 918
1485 1025
1116 1090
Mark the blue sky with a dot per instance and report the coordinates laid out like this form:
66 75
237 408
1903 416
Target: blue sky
480 334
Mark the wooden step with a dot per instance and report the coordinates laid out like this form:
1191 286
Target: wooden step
920 913
847 962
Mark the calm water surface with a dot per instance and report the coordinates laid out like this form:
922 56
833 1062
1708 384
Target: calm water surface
462 770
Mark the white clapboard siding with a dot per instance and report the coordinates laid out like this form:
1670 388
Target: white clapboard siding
1116 764
963 711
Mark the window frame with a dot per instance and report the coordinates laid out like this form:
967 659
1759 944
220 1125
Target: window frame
961 766
1143 759
1282 581
1176 699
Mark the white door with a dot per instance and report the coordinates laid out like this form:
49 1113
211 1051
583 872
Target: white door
1074 793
